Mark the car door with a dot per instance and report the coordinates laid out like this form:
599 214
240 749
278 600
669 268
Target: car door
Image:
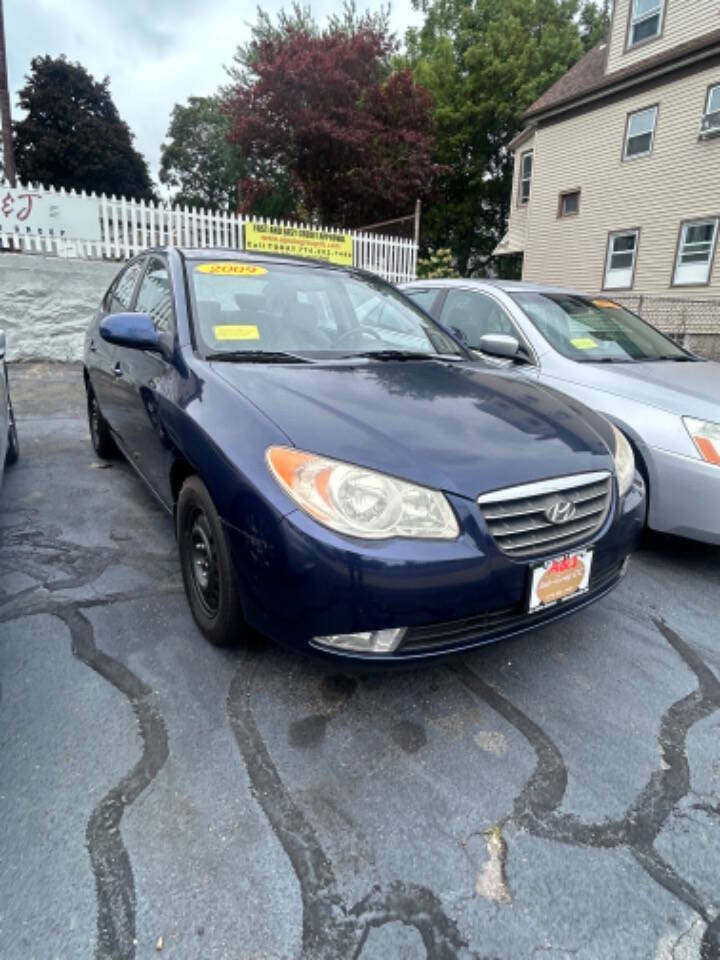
107 362
149 381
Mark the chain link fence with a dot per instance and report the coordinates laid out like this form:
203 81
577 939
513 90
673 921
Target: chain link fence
694 323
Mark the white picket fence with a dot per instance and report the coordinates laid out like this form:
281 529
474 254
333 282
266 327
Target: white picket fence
126 227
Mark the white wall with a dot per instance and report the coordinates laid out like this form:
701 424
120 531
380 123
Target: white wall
46 303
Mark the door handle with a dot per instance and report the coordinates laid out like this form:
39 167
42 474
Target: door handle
117 369
92 346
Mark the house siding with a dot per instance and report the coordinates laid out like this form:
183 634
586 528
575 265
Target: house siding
683 20
679 181
516 237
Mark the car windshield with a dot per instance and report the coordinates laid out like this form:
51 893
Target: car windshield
595 330
262 311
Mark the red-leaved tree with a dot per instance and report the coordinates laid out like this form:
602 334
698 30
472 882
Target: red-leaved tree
326 109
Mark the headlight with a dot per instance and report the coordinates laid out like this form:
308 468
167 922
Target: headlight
360 502
624 462
707 438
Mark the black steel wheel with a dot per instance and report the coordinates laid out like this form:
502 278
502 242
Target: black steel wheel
208 573
203 563
100 436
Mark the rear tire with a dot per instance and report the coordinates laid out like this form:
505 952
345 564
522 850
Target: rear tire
207 570
13 448
100 436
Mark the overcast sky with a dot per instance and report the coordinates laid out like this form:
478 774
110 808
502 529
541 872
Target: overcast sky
156 52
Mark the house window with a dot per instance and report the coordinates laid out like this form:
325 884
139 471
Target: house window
526 169
569 204
695 252
620 266
710 120
645 20
640 132
713 100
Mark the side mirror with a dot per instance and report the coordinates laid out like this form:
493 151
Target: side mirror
2 344
500 345
134 330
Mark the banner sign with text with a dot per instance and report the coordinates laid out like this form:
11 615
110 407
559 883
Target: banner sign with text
300 242
27 211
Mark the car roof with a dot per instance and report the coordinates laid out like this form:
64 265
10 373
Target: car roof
251 256
507 286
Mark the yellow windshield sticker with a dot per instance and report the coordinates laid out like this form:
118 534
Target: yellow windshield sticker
229 269
235 331
583 343
608 304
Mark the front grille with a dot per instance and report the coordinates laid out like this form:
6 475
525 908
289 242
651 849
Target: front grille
507 620
516 516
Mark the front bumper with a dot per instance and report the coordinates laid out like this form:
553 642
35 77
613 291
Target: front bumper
451 595
684 496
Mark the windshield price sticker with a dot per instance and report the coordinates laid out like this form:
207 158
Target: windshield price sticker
584 343
229 269
234 331
606 304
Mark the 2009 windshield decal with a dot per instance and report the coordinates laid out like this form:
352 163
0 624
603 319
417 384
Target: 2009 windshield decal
229 269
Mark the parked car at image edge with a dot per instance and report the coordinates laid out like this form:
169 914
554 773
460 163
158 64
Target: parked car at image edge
9 447
665 399
344 477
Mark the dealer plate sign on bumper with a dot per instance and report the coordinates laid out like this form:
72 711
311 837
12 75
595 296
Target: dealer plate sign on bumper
560 579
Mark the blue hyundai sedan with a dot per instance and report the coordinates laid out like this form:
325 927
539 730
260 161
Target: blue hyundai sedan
344 477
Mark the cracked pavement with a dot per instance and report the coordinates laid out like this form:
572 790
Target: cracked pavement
554 796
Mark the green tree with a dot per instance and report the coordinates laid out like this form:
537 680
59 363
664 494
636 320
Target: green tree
484 62
437 265
197 161
72 135
594 23
205 170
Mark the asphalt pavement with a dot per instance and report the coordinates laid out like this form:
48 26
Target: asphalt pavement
551 797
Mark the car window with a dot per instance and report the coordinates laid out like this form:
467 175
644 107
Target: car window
281 307
107 299
595 331
424 298
154 295
389 316
475 314
122 293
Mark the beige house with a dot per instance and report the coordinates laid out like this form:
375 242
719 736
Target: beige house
617 173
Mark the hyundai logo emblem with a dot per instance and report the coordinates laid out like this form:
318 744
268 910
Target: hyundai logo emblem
561 511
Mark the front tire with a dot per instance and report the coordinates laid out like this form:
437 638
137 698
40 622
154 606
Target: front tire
13 447
100 436
207 570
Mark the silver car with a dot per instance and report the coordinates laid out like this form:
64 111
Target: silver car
666 400
8 431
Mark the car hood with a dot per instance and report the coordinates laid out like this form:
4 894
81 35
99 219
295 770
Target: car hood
691 389
455 427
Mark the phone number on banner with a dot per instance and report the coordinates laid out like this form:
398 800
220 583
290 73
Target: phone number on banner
333 247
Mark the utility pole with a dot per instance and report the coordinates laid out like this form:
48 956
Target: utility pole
8 153
418 208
